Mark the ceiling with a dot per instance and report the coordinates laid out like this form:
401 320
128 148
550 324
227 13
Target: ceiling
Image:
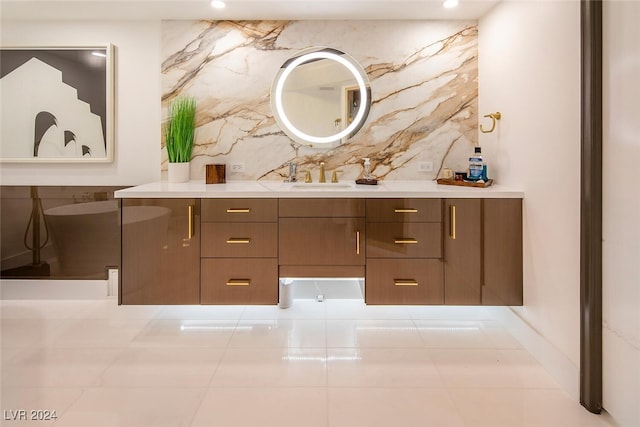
240 9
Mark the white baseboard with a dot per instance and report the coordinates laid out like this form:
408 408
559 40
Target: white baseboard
561 368
60 289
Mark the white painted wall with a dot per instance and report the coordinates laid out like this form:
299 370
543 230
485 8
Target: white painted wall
529 70
621 212
137 101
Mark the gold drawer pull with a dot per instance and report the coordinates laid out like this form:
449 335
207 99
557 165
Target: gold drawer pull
405 241
190 222
452 223
407 210
239 282
405 282
238 210
241 240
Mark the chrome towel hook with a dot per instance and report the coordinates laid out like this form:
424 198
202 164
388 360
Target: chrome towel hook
493 116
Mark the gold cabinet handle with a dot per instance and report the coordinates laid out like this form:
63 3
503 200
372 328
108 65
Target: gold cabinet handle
239 282
238 240
405 282
407 210
452 223
357 243
190 231
405 241
238 210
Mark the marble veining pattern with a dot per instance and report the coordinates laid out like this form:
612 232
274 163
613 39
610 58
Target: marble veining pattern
423 81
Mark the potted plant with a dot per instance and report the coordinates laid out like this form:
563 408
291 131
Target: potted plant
179 133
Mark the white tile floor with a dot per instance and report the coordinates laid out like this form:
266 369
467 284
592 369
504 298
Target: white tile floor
335 363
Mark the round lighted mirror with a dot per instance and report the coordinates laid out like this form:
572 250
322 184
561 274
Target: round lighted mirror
321 97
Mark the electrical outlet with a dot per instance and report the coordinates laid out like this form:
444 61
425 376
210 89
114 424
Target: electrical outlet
425 166
237 167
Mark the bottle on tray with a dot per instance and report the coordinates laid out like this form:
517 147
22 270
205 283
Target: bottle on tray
477 168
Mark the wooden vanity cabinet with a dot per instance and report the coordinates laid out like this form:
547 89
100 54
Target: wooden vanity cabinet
233 251
404 251
462 251
239 251
321 237
160 251
483 251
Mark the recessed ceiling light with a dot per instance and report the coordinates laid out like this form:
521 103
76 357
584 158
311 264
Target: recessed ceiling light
218 4
449 4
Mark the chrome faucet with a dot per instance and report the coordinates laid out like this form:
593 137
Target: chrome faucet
293 167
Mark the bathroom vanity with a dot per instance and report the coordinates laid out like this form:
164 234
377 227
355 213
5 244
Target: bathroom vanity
413 242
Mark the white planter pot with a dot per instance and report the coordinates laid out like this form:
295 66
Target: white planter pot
179 172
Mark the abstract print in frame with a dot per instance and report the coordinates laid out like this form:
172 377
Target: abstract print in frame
56 104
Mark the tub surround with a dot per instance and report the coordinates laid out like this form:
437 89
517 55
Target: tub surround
278 189
424 90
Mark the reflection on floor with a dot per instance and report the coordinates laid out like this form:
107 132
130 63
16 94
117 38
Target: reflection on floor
333 363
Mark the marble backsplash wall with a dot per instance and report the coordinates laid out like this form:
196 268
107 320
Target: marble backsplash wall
424 89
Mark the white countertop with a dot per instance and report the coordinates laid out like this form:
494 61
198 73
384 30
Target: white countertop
278 189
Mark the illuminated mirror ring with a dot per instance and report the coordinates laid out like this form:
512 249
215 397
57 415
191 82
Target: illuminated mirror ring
362 86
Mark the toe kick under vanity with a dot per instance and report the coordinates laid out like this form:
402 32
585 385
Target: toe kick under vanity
413 242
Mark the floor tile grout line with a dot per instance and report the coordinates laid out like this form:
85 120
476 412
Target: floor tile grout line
220 360
83 390
192 418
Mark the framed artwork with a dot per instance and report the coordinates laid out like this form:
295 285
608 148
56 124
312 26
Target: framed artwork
56 104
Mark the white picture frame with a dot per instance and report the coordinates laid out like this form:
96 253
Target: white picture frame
56 104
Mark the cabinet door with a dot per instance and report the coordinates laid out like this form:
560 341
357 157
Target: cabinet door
502 284
239 239
239 210
160 251
404 240
321 241
404 210
404 281
462 251
239 281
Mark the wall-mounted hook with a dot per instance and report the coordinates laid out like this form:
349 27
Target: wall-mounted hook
493 116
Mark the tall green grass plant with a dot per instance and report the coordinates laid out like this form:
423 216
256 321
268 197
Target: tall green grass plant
179 131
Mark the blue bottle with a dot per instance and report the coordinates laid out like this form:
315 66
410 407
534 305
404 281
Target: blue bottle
476 165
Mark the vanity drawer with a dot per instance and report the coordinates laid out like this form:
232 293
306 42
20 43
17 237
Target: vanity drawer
321 208
239 281
404 240
404 210
243 240
404 281
239 210
321 241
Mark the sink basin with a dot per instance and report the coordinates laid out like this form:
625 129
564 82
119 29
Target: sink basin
320 186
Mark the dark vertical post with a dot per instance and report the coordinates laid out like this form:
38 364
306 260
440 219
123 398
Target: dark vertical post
35 233
591 207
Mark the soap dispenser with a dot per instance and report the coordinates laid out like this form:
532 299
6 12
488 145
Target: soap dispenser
367 168
367 179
